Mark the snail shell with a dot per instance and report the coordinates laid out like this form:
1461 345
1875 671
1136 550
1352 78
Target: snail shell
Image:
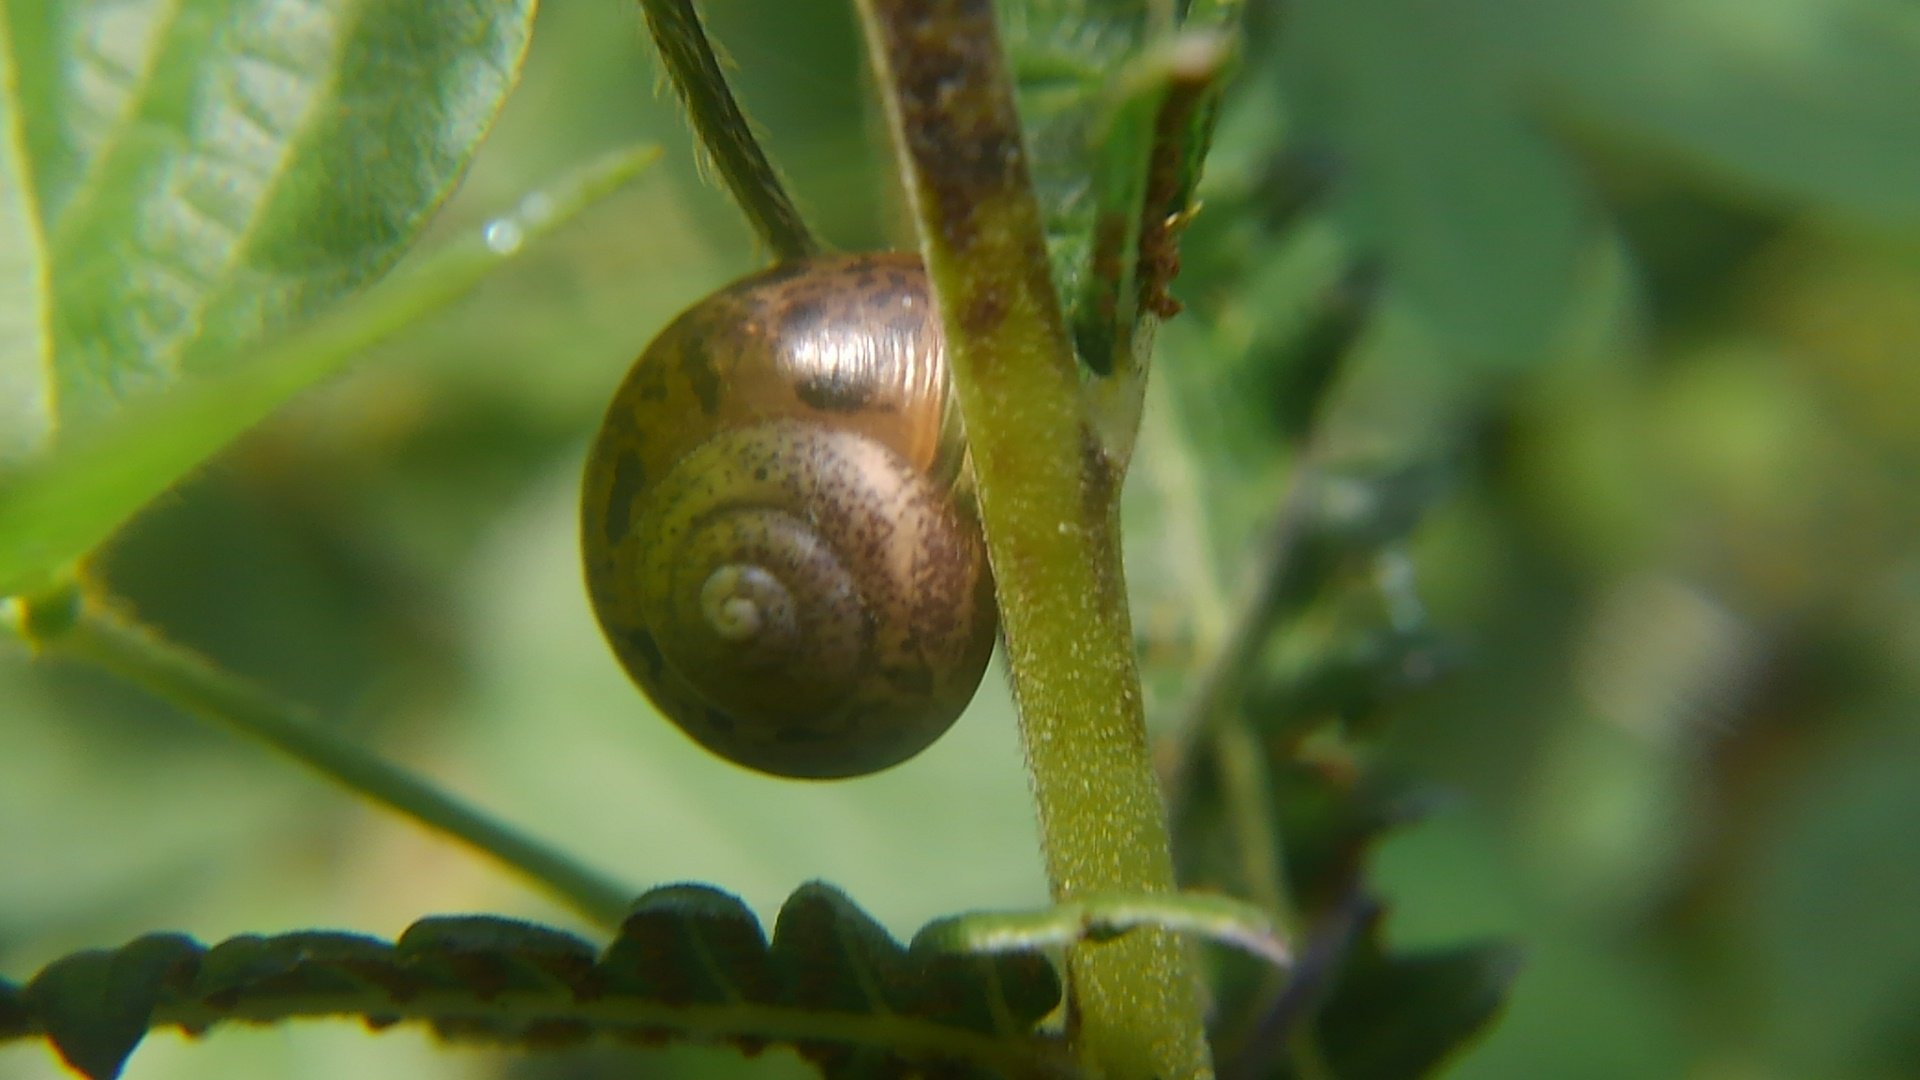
778 542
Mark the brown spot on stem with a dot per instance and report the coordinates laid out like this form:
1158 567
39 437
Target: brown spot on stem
984 312
1098 495
1096 477
956 108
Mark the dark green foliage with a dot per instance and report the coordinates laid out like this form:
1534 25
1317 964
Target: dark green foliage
688 945
1372 1012
1330 642
1405 208
832 956
260 969
16 1019
96 1006
1354 676
1392 1016
689 962
1297 374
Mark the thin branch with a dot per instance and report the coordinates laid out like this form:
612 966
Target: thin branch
723 129
67 625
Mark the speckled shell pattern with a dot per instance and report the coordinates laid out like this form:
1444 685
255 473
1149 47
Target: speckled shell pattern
794 431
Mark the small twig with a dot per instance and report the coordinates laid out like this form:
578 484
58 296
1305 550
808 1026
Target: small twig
723 129
68 625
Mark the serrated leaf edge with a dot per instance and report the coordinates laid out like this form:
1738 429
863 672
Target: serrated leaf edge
561 1010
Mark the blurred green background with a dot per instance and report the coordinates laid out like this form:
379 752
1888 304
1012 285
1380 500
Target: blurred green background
1674 409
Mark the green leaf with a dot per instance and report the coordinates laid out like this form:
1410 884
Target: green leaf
1480 221
1811 100
207 173
836 956
689 944
97 1005
251 970
690 963
1398 1016
59 507
833 956
1084 136
1829 910
26 375
1117 112
496 956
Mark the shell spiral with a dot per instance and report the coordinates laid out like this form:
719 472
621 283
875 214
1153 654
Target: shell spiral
777 542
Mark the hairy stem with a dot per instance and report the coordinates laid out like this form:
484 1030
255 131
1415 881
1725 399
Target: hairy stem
1047 498
68 625
723 129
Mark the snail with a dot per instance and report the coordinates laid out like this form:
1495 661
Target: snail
779 538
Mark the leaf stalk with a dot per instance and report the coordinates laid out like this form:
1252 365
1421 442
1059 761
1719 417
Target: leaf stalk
68 623
694 71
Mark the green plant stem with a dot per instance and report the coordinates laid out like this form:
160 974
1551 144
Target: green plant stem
1047 497
116 643
723 129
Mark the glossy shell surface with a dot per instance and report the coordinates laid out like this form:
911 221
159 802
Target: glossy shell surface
773 543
